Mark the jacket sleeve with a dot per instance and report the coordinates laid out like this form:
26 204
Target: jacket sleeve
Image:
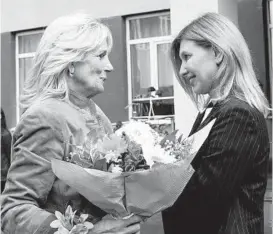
37 139
232 147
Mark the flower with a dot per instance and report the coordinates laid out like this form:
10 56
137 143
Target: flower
111 143
121 194
139 132
69 224
115 169
134 146
111 156
159 154
143 135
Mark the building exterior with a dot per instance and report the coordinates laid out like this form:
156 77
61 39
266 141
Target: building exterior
142 32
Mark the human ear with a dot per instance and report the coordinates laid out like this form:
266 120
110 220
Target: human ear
218 56
71 70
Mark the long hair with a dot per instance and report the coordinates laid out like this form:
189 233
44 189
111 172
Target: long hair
66 40
235 75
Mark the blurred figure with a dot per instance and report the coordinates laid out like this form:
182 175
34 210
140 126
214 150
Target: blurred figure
5 150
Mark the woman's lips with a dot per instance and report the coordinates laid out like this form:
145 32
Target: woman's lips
191 79
103 78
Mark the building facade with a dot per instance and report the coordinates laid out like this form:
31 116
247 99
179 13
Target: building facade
142 33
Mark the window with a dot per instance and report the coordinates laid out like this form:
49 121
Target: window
26 44
150 74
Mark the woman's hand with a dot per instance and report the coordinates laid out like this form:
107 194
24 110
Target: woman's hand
120 226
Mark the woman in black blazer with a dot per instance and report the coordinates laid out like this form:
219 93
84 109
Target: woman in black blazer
225 195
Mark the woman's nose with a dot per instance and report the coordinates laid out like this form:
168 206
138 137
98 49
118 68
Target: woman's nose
182 71
108 67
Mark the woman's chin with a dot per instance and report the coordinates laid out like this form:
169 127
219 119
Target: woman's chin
196 90
100 89
199 91
95 92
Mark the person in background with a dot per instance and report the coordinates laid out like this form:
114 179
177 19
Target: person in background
5 149
213 64
70 67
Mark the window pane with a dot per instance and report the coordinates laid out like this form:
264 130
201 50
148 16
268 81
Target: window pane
140 67
165 71
24 67
154 26
29 43
160 107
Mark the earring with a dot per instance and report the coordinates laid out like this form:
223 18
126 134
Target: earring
71 74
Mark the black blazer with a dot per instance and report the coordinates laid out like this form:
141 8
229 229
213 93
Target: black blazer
226 192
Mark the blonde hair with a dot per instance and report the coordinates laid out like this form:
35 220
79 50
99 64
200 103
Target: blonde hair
66 40
235 74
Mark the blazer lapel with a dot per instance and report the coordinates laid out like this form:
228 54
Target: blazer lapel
197 122
210 117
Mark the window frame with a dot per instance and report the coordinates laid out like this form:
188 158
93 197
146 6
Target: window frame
19 56
270 45
153 43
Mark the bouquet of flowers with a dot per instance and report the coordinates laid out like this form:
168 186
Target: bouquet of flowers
134 170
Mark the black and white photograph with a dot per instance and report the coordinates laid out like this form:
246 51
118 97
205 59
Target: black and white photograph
136 117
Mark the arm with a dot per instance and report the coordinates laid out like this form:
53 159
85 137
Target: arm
37 139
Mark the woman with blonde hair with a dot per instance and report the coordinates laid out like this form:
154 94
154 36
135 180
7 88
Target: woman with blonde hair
225 195
69 69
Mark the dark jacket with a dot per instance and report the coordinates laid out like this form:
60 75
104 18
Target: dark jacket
226 193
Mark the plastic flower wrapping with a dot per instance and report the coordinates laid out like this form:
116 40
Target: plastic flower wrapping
132 171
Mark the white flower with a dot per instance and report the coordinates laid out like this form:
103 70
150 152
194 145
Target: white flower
158 154
115 169
142 134
111 156
139 132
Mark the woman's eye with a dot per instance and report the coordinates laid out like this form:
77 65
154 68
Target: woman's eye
102 55
186 57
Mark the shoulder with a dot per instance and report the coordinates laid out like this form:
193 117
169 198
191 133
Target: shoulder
236 115
241 109
46 114
51 110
